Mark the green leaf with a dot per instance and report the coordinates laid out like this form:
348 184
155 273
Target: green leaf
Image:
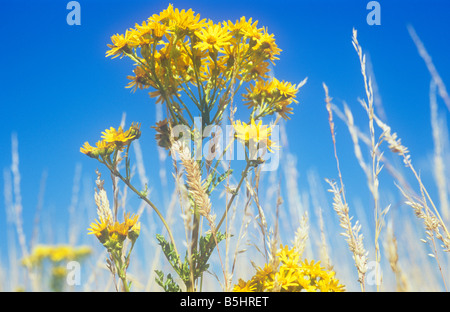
169 285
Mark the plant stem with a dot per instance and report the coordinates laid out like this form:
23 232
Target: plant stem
243 175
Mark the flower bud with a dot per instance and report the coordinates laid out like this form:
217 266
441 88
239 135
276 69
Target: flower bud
134 232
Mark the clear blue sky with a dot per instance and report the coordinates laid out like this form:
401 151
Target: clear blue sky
57 89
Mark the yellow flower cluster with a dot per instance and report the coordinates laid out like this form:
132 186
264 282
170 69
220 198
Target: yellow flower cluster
291 275
271 96
112 140
113 234
176 48
55 254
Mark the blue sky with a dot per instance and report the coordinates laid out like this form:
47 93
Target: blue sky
57 89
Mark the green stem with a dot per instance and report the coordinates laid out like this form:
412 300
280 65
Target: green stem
243 175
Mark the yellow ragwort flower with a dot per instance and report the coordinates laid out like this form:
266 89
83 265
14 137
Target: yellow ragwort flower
118 231
213 38
100 229
134 231
122 43
118 137
185 22
102 149
238 28
150 32
139 80
164 16
130 221
292 275
256 133
89 150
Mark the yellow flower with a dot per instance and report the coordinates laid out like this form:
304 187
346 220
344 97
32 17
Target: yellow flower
118 137
258 72
288 257
122 43
291 275
118 231
102 148
89 150
311 268
261 91
252 32
130 221
100 229
40 252
240 25
256 133
244 286
283 109
82 251
134 131
62 253
266 45
55 254
330 285
134 231
186 21
287 89
139 80
286 278
212 38
59 271
151 30
164 16
163 134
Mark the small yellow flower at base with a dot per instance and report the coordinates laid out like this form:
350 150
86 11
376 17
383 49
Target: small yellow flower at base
243 286
292 275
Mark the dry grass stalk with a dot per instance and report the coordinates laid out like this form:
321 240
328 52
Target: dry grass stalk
437 127
357 135
376 155
195 183
301 235
253 193
397 148
351 232
17 195
432 226
196 188
392 255
354 239
431 68
314 190
101 200
243 231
